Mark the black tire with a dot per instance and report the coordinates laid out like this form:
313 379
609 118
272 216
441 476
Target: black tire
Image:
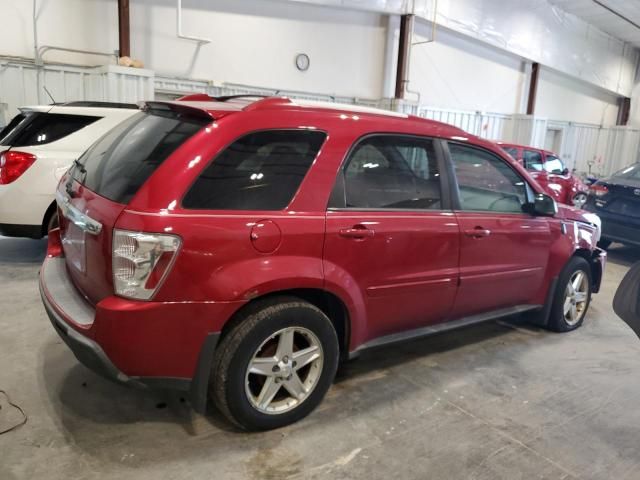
557 321
257 324
604 243
53 222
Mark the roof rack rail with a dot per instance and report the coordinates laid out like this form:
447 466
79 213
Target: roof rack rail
267 102
203 97
98 104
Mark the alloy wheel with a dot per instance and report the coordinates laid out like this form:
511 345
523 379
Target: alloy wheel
579 200
576 297
284 370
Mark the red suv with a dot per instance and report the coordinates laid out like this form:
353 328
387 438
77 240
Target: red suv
550 172
237 248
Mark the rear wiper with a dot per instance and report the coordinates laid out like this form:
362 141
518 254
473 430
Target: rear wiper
79 166
69 185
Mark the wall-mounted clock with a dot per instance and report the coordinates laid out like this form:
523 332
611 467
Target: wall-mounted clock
302 62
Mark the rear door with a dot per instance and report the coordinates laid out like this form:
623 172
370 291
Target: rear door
503 251
391 236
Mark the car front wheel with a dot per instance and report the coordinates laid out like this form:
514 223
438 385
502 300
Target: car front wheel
572 296
275 365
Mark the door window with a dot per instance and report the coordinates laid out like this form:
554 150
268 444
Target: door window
486 182
392 172
532 160
554 165
260 171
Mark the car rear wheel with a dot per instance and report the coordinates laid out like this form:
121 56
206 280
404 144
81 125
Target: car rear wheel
53 222
572 297
275 365
579 199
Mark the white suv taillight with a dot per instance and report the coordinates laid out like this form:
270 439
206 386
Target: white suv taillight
141 261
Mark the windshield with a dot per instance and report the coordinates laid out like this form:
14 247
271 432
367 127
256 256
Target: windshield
554 165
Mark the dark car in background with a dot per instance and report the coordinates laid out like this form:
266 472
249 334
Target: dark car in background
616 200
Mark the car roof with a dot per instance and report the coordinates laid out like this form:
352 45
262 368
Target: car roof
220 106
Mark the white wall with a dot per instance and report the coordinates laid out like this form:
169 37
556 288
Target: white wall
460 73
253 41
563 98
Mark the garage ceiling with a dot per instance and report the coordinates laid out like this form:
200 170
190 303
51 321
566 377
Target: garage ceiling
601 14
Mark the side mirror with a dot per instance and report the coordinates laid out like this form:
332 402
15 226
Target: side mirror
544 205
626 302
565 171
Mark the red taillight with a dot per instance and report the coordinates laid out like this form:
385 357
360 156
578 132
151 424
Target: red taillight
598 190
13 164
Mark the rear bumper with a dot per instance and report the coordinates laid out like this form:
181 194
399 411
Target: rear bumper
143 344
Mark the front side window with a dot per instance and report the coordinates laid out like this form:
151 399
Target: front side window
260 171
532 160
486 182
554 165
392 171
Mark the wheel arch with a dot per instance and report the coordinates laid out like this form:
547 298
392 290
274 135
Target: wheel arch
51 210
329 303
595 267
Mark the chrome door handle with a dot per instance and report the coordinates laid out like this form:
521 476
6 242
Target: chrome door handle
357 232
477 232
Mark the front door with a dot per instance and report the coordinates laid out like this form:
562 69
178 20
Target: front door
391 236
503 251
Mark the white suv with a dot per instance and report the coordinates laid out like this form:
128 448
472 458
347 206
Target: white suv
36 148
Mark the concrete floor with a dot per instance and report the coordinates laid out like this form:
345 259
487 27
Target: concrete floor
497 401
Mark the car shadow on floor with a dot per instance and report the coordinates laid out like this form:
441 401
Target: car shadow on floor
623 254
22 250
92 411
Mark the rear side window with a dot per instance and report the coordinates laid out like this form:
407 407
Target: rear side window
118 164
39 128
392 171
511 151
532 160
260 171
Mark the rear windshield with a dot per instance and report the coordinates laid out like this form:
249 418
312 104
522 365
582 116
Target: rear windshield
40 128
118 164
631 172
260 171
11 125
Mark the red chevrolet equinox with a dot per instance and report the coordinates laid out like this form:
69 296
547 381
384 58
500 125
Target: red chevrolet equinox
237 248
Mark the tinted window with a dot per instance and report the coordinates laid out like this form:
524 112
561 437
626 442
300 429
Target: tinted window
486 182
554 165
119 163
532 160
388 171
41 128
260 171
513 151
12 124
